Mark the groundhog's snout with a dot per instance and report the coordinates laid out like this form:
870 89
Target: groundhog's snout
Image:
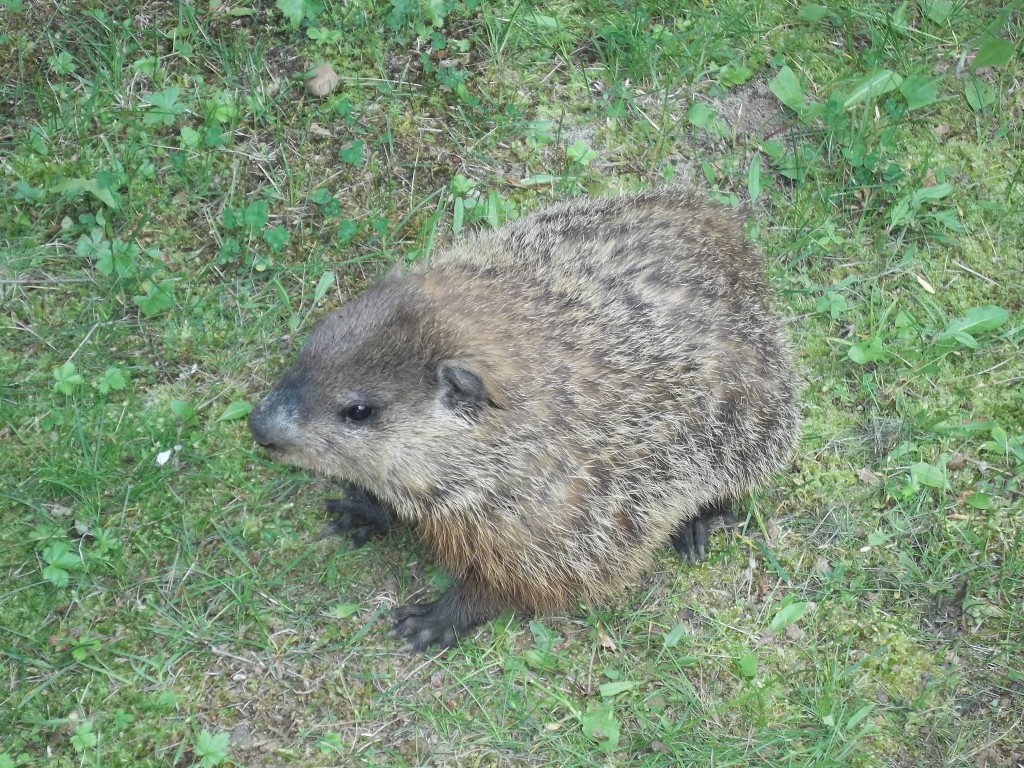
261 427
274 421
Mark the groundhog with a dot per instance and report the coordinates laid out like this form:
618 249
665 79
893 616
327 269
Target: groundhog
547 404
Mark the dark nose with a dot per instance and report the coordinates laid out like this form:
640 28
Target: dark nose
274 422
260 426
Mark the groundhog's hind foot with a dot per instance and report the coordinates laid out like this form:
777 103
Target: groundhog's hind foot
441 623
690 539
360 517
421 626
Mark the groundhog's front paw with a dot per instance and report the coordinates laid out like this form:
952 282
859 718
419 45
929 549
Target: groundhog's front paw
360 517
690 539
422 625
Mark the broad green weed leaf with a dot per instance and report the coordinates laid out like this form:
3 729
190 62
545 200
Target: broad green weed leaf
76 187
276 238
934 192
937 11
282 295
347 229
183 410
900 212
927 474
700 115
292 10
84 738
979 500
549 22
754 179
236 410
343 610
964 338
120 259
747 665
812 12
859 715
789 614
59 554
600 725
189 137
865 352
979 320
833 304
255 214
323 285
898 18
66 379
56 576
352 154
543 636
214 136
733 74
458 214
158 298
164 106
28 193
63 63
615 688
580 152
995 52
787 89
979 94
949 220
672 638
221 108
60 560
539 659
112 379
878 82
920 91
89 246
213 748
329 743
538 180
1004 444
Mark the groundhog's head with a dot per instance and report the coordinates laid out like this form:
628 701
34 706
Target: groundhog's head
379 395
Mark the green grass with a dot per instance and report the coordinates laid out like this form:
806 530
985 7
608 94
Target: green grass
176 213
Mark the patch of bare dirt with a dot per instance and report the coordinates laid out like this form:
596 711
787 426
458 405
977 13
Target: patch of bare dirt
751 111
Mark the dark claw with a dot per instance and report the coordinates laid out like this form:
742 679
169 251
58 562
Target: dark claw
443 622
682 540
423 625
691 538
361 517
700 537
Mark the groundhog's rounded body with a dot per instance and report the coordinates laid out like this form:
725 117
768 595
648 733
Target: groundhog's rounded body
547 403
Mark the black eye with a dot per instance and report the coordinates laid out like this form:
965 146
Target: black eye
357 412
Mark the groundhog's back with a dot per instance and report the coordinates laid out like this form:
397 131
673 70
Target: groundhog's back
644 375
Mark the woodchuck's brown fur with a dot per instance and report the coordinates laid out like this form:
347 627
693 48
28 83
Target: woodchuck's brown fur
549 404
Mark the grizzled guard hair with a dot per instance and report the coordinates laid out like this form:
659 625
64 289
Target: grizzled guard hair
548 404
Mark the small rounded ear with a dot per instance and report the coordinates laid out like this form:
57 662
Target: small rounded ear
463 383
